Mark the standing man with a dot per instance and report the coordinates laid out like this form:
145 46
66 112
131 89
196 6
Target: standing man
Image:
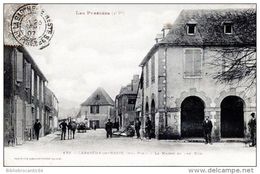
37 126
137 127
109 126
252 129
207 128
148 127
63 125
94 125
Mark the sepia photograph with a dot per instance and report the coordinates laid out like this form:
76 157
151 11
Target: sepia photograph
129 85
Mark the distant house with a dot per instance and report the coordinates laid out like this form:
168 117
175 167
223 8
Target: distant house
125 102
97 108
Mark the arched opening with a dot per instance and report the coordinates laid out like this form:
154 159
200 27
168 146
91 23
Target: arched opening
232 117
192 116
153 118
147 109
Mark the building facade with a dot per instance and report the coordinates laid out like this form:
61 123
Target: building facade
125 103
52 111
179 88
97 109
24 99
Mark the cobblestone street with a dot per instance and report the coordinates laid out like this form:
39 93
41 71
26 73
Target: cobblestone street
94 149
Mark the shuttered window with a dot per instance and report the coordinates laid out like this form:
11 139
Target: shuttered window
28 75
147 74
19 66
32 89
94 109
42 91
28 116
38 87
192 63
19 120
153 69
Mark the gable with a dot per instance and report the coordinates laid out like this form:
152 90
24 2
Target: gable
99 97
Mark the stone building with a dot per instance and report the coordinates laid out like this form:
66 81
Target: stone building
97 108
125 103
24 100
179 89
52 111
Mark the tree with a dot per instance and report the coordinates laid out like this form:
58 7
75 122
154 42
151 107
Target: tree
237 62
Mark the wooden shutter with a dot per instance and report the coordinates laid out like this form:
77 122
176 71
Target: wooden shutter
188 67
91 109
28 75
28 116
197 62
97 109
147 74
32 80
153 69
19 121
19 66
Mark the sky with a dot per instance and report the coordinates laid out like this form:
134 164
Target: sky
89 51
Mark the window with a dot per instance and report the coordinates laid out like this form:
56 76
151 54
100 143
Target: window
131 101
42 90
192 63
228 29
19 67
97 97
38 87
94 109
147 74
153 70
32 89
191 29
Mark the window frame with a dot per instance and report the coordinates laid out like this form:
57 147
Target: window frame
153 69
225 28
184 64
94 109
147 74
188 27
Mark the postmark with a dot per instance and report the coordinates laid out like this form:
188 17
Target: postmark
31 26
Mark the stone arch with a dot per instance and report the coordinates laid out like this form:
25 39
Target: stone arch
232 117
153 111
146 108
192 116
193 92
232 92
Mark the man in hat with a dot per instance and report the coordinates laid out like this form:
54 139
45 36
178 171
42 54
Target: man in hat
252 129
137 127
63 125
37 126
207 128
148 127
109 126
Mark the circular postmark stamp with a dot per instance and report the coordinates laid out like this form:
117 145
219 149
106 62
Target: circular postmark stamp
31 26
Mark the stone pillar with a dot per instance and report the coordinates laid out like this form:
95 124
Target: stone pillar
216 114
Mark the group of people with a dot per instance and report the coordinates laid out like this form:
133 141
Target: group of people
206 125
207 128
71 126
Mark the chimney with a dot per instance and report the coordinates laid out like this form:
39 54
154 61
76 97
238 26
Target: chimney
158 37
166 28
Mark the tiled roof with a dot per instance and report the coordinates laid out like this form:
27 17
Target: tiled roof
99 97
210 27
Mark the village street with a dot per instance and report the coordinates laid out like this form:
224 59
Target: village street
94 149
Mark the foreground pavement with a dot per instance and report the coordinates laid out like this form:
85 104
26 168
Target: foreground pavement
94 149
